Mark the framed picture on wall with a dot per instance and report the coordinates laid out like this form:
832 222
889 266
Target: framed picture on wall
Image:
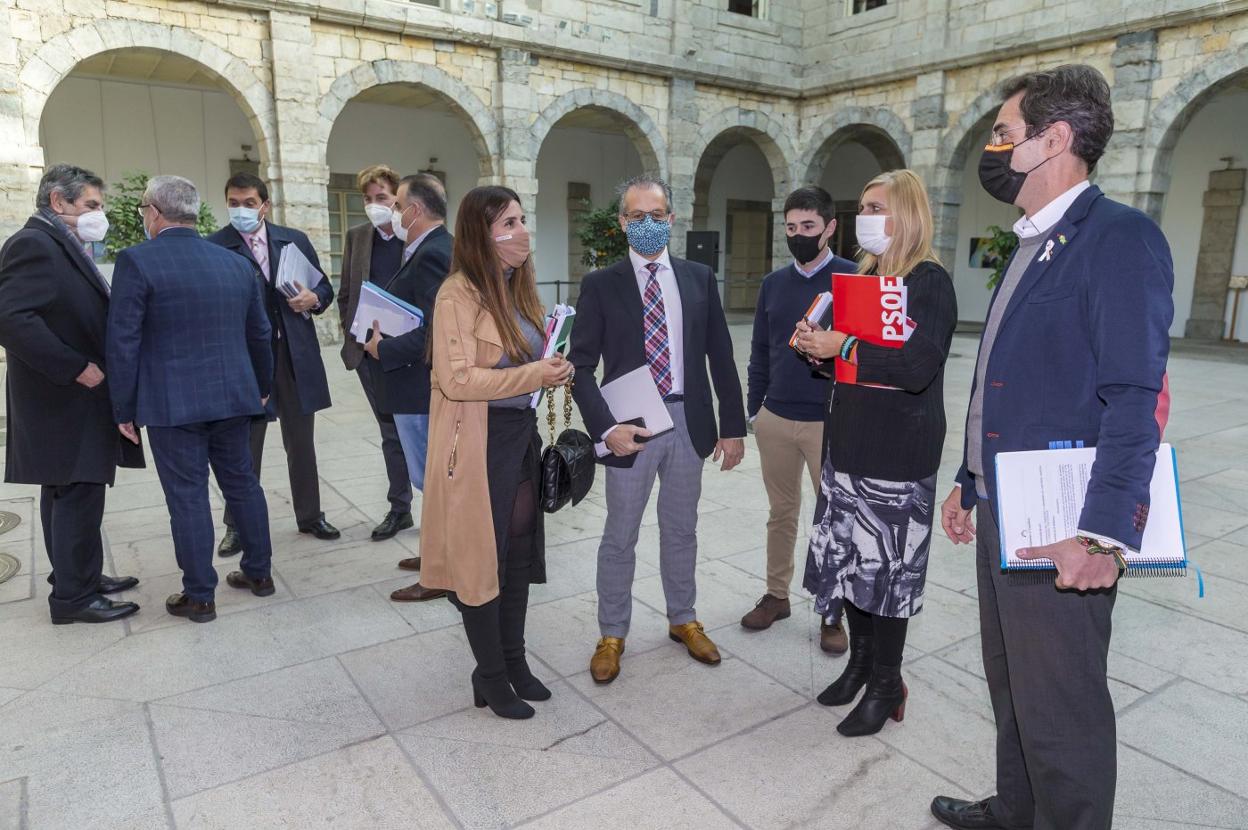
980 255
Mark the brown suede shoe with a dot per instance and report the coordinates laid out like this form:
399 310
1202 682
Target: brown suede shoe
694 637
766 611
411 564
832 638
604 666
417 593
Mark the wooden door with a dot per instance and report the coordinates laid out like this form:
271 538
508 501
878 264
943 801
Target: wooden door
748 253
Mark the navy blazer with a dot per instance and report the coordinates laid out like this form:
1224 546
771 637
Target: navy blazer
299 331
609 327
188 337
1080 356
401 374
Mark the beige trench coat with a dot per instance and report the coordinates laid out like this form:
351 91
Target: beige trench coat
457 545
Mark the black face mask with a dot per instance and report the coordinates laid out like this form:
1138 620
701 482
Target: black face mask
805 248
1001 181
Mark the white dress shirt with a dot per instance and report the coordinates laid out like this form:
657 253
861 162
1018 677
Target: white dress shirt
415 243
671 307
823 260
1049 215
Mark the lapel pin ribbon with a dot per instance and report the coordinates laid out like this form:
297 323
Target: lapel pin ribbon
1048 251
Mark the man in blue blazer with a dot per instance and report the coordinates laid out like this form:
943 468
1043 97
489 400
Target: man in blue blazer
300 387
188 357
1074 349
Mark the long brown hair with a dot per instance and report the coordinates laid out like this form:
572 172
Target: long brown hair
476 255
913 228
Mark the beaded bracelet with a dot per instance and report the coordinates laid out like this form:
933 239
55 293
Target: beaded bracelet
847 346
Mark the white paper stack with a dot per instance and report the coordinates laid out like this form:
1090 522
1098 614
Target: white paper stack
393 316
294 271
558 331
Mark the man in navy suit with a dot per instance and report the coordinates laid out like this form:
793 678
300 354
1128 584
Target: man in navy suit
189 358
663 313
1074 350
300 387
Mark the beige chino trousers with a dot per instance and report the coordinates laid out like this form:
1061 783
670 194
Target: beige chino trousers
784 447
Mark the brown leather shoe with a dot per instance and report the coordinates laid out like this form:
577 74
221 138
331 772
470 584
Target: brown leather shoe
410 564
604 666
262 587
766 611
180 605
832 638
417 593
700 646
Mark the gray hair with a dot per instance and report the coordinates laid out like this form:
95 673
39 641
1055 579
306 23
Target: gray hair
175 197
644 180
67 180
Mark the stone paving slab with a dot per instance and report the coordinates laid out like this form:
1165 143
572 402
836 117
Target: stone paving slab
328 705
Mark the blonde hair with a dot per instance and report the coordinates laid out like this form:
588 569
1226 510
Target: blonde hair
913 227
379 173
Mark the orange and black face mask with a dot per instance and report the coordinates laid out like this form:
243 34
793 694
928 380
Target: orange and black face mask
998 178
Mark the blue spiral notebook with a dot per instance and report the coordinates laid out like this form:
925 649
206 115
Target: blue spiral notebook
1040 496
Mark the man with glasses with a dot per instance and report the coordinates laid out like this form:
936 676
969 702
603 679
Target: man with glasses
656 311
53 312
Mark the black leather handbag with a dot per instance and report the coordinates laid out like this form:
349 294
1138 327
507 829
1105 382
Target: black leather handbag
567 463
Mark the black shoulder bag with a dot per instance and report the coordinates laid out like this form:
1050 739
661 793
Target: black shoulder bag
567 464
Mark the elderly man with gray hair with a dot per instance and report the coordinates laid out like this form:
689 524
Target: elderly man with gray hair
53 311
189 358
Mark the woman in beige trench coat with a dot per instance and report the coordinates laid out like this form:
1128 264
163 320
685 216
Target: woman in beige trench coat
481 528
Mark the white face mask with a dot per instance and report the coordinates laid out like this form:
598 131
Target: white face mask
378 214
92 226
870 233
396 223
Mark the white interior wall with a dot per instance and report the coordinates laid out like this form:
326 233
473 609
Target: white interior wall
405 138
742 174
572 154
978 212
1216 131
116 127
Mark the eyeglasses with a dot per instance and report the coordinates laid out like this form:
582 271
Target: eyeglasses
144 206
1002 136
638 216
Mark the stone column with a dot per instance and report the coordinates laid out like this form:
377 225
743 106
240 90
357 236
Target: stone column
1223 201
682 136
1118 173
944 184
517 108
298 174
21 159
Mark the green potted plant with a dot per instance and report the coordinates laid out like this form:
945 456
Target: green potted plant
600 236
125 228
1001 244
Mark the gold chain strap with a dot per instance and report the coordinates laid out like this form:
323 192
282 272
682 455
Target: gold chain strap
550 409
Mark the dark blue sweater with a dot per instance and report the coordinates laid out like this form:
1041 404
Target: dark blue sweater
387 259
777 376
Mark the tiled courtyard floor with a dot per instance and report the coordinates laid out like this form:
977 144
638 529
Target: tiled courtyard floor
329 706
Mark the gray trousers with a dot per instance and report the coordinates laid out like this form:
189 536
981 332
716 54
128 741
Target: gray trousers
1045 654
672 458
400 492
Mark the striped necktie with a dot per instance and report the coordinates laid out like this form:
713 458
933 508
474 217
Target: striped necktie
658 355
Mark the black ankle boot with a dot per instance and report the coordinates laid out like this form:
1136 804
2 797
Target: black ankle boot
522 680
885 698
845 688
497 693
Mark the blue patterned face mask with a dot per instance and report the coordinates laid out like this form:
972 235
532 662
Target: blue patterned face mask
648 237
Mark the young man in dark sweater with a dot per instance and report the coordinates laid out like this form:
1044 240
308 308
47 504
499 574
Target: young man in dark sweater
786 400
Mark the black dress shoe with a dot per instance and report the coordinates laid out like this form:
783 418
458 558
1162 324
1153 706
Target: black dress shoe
966 815
392 524
116 584
101 610
180 605
262 587
230 545
321 529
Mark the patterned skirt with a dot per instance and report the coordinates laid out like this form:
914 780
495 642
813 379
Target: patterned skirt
869 544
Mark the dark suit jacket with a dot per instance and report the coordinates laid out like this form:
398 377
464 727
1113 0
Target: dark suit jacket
401 376
357 260
608 327
53 317
1096 311
299 331
188 337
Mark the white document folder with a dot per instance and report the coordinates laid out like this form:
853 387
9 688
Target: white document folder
394 316
1041 494
633 396
293 267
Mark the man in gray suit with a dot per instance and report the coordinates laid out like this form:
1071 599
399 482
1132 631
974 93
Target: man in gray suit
373 253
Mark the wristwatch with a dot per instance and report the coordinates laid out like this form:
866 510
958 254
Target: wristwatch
1103 546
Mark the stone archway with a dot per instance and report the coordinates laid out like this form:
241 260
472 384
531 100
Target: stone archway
636 124
878 129
475 115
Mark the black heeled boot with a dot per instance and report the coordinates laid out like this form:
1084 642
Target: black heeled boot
885 698
513 611
857 671
522 680
490 686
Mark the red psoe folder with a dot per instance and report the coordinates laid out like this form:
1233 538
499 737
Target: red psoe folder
871 308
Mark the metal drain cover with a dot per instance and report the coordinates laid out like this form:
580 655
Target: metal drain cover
8 521
8 567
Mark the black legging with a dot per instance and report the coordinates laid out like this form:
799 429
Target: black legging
496 629
888 634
